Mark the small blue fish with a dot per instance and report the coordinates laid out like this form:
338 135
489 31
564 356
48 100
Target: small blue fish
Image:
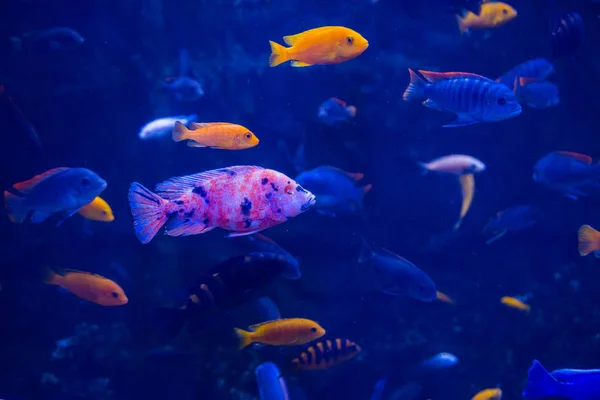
569 172
336 190
568 384
473 98
537 69
183 87
512 219
379 389
439 361
271 385
400 276
538 95
267 309
59 191
335 110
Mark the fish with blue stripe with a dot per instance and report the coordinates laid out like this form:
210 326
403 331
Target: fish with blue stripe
325 354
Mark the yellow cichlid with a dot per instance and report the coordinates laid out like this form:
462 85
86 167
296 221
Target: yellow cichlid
97 210
492 15
218 135
281 332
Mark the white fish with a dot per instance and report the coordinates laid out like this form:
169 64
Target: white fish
163 126
458 164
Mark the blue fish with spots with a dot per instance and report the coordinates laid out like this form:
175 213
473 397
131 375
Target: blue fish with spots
473 98
537 69
571 384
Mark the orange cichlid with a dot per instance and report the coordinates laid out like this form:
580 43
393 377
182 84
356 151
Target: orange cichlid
444 298
325 45
589 240
88 286
488 394
97 210
515 303
492 15
218 135
282 332
467 185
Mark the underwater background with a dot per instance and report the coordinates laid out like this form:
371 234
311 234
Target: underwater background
88 104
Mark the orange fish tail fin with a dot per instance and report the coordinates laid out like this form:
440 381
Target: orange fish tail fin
15 208
415 87
179 132
148 210
50 277
278 54
244 336
589 240
351 110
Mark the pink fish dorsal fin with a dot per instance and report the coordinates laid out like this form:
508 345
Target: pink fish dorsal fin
338 101
432 76
256 326
357 176
578 156
524 81
291 39
65 272
27 185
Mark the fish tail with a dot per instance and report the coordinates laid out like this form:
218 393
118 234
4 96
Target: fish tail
588 240
15 208
540 383
351 111
366 189
179 132
170 321
365 252
278 54
50 277
148 210
462 26
415 87
244 336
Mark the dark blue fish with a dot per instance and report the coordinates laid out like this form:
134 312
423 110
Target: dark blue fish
572 385
335 110
566 35
183 87
267 309
512 219
408 391
537 95
569 172
379 389
53 39
271 385
537 69
473 98
268 245
400 277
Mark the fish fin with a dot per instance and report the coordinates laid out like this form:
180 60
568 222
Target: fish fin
367 188
578 156
174 188
299 64
392 291
327 213
179 132
524 81
278 54
357 176
192 143
26 186
61 215
13 203
148 212
180 227
497 236
169 321
588 240
540 383
290 40
236 234
462 120
292 272
366 252
192 118
351 111
415 87
194 126
462 26
433 76
244 336
254 327
432 104
50 276
458 223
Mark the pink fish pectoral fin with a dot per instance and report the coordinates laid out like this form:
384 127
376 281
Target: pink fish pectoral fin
462 120
179 227
236 234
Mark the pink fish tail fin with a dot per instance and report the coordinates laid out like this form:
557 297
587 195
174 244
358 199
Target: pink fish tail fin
416 86
179 132
366 189
351 111
17 212
148 210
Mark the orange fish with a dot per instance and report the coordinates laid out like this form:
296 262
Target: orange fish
467 185
282 332
325 354
97 210
88 286
218 135
589 240
492 15
515 303
444 298
488 394
325 45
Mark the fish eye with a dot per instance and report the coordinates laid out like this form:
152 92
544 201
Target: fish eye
103 212
85 182
350 40
248 135
313 329
501 101
504 11
115 295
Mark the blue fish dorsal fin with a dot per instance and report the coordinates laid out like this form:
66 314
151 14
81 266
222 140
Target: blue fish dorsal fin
26 186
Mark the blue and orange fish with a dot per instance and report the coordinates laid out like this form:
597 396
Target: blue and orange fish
572 173
473 98
335 110
535 94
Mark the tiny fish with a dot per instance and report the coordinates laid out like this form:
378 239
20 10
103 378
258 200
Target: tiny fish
566 35
467 186
335 110
473 98
492 15
456 164
241 199
97 210
163 126
537 95
444 298
271 384
87 286
281 332
567 384
184 88
218 135
588 240
400 276
537 69
325 45
512 219
439 361
336 189
59 191
515 303
325 354
488 394
569 172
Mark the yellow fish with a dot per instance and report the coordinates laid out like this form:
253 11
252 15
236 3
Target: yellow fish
325 45
467 185
88 286
488 394
492 15
97 210
281 332
218 135
515 303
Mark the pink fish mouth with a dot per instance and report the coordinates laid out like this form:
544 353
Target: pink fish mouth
311 202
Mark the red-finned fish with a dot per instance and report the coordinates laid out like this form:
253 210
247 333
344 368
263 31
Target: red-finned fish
325 45
513 302
588 240
242 199
88 286
60 191
457 164
535 94
492 15
281 332
467 185
218 135
325 354
335 110
572 173
473 98
97 210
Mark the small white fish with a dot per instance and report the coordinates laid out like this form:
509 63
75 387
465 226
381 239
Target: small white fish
164 126
457 164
